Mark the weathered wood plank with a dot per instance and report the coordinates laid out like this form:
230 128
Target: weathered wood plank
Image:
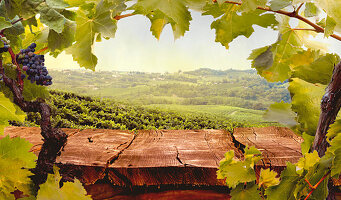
89 152
32 134
277 144
172 157
94 147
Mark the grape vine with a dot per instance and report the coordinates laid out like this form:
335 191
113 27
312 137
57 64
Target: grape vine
72 26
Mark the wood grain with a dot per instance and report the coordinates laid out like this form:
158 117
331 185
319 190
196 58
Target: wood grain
277 144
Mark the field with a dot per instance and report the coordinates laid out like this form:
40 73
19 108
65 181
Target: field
221 111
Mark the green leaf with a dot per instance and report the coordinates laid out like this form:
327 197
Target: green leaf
15 159
50 189
60 41
13 7
306 99
311 10
159 21
313 67
308 141
273 62
89 25
216 10
268 178
4 23
279 4
282 113
237 172
30 8
308 161
197 5
174 11
52 18
249 5
330 26
8 112
284 190
250 192
33 91
57 4
251 151
316 173
334 129
336 167
232 25
332 9
335 149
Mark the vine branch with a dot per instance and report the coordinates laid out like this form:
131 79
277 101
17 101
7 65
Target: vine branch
54 139
293 14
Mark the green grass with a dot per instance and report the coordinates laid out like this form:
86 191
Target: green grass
220 111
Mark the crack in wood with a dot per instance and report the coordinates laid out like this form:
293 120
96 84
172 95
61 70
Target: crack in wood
177 156
115 157
254 132
214 155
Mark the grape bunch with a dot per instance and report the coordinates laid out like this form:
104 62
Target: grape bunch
33 65
5 42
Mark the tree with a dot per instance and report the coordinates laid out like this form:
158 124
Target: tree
74 26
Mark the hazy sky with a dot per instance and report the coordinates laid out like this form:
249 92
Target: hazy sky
135 49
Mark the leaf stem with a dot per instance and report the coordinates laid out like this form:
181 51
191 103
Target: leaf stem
41 50
118 17
316 185
16 21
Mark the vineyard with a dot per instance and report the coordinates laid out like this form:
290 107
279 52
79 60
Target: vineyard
32 29
74 111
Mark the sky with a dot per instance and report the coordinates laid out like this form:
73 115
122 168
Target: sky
135 49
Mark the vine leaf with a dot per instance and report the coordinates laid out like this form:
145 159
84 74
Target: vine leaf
330 26
14 163
51 17
308 161
308 112
90 25
51 190
268 178
57 4
8 111
311 10
334 129
273 62
279 4
248 5
4 23
61 41
196 4
248 192
284 190
313 67
332 9
306 144
231 25
237 172
335 148
173 12
281 112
